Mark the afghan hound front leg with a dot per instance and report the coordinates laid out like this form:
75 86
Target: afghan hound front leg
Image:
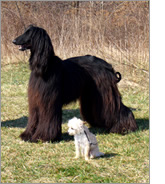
50 120
32 120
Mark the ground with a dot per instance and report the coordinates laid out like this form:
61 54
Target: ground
126 157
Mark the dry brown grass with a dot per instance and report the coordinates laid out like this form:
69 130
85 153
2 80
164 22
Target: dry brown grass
115 31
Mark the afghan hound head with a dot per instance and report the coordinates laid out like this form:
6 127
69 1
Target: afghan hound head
38 41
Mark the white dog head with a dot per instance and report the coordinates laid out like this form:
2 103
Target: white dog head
75 126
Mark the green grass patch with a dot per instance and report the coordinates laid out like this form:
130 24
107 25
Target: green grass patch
126 157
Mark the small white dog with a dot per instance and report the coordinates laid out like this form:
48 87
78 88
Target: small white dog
85 141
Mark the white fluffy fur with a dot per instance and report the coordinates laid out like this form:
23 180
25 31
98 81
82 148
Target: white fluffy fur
83 146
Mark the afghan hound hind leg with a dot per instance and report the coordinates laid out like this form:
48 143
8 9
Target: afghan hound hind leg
91 108
126 123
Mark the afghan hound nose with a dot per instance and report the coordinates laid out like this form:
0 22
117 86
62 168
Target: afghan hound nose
14 41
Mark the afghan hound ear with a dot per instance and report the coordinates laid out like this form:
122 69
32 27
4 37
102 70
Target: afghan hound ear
42 52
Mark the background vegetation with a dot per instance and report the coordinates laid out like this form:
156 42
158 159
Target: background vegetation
115 31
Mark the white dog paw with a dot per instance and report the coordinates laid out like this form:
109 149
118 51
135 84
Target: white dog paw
92 156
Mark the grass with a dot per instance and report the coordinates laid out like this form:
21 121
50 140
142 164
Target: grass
126 157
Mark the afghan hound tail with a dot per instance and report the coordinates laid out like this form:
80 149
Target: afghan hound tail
118 76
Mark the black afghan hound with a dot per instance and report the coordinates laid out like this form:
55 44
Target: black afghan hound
55 82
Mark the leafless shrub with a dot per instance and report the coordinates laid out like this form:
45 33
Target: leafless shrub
115 31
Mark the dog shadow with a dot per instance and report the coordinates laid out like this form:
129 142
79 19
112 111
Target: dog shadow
98 130
16 123
143 124
22 121
66 137
68 114
107 155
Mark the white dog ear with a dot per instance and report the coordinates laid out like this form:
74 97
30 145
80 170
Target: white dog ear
81 123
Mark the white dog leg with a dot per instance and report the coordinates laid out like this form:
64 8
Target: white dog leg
77 150
87 152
